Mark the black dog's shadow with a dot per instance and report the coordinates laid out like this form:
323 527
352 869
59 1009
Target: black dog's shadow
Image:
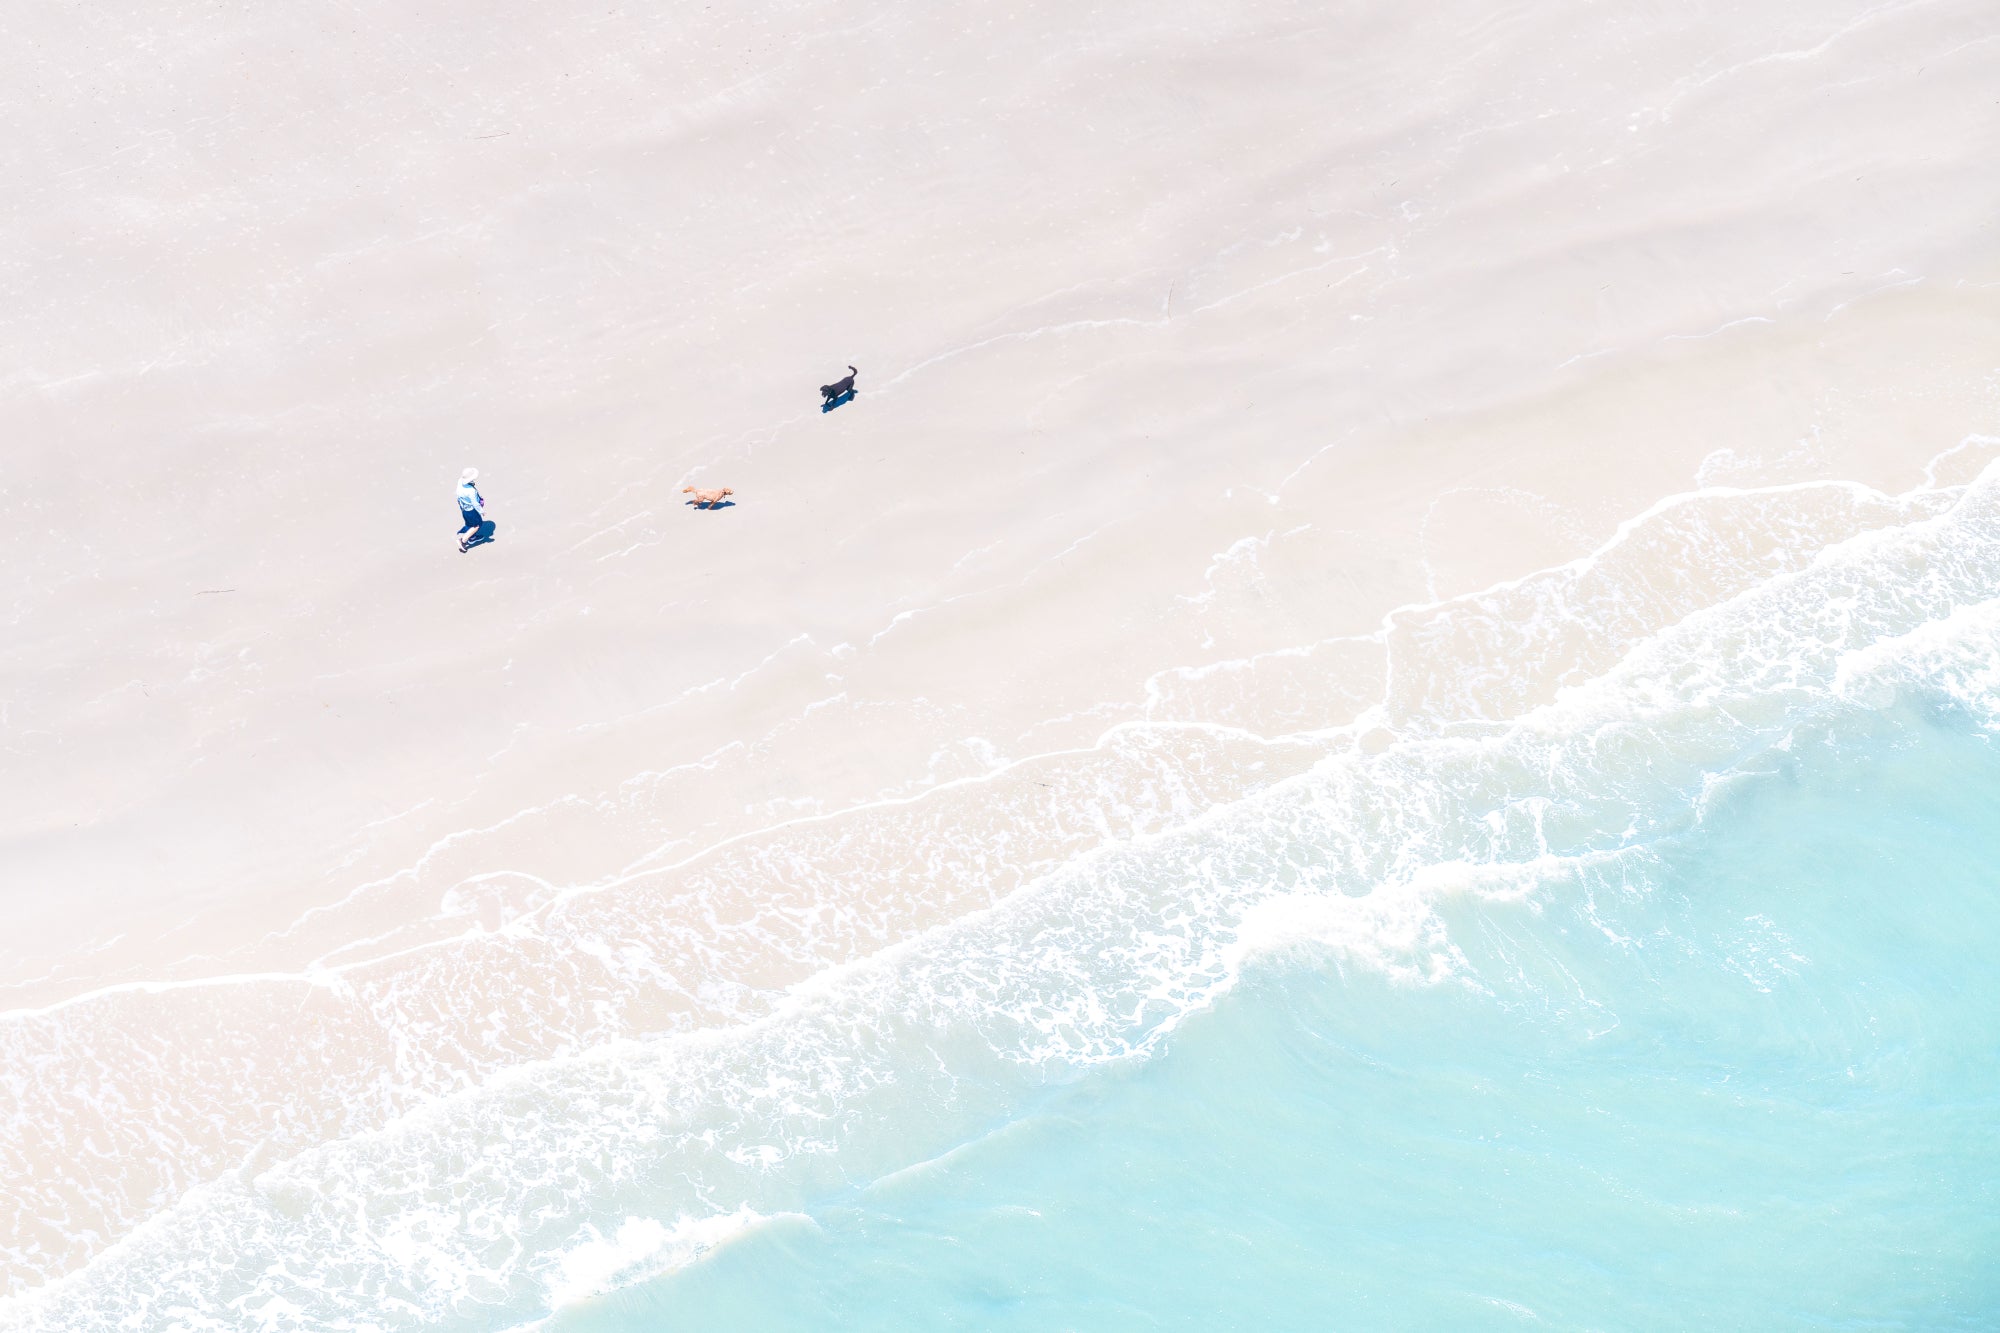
484 535
832 403
720 504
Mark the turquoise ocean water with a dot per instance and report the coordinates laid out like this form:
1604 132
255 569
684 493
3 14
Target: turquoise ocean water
1745 1078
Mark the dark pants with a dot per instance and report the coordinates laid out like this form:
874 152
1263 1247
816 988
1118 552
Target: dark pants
472 521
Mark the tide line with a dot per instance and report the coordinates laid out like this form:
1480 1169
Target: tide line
330 977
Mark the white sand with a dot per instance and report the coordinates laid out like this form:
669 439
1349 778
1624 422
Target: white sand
1185 333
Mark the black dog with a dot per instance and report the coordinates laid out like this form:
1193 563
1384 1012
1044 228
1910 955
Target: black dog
840 388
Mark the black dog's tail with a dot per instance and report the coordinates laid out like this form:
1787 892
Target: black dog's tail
852 371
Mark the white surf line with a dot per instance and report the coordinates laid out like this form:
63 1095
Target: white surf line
53 975
1128 321
1252 290
1581 563
1976 41
1024 335
335 869
1930 468
625 551
331 976
1309 460
724 445
1112 289
1876 291
1033 419
974 553
751 438
1096 712
1620 535
709 760
911 614
325 963
323 973
1625 529
1675 501
321 963
1202 671
1687 88
1067 550
416 867
727 684
1720 328
630 518
514 734
893 802
327 980
901 616
133 684
1243 548
1554 512
400 814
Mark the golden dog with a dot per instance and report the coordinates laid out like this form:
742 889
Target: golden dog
707 499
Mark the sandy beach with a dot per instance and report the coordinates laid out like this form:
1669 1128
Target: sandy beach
1199 352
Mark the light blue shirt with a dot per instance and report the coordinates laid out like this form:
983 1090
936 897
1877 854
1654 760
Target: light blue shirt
469 497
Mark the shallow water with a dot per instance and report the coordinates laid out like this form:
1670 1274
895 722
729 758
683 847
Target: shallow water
1741 1077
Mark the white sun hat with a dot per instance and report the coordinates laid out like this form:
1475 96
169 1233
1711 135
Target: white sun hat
470 474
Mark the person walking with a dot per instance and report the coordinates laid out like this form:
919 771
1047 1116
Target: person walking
470 502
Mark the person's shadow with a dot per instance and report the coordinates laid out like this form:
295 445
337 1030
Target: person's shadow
487 528
832 403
